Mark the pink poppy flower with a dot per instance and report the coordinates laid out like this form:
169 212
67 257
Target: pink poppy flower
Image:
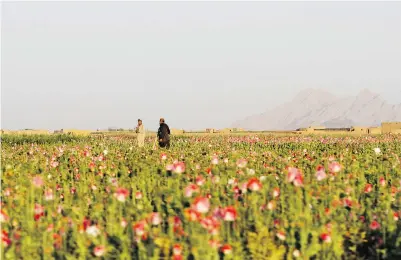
226 249
123 223
5 239
39 211
121 194
347 202
201 204
368 188
229 213
190 189
292 174
325 237
320 173
215 160
232 181
374 225
276 192
335 167
7 192
271 205
155 218
4 217
50 228
54 164
49 195
298 181
93 231
138 195
192 215
37 181
276 223
200 180
179 167
139 228
382 181
396 216
177 249
254 184
281 235
99 251
241 163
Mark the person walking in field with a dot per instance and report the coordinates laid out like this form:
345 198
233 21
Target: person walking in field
140 130
163 134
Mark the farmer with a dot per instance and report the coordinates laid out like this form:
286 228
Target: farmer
163 134
140 130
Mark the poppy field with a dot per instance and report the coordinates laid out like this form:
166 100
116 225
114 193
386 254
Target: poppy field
207 197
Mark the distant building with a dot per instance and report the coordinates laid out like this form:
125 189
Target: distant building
315 128
360 130
342 129
391 127
374 130
177 131
237 130
226 130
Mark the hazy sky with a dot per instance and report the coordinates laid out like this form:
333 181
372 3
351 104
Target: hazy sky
91 65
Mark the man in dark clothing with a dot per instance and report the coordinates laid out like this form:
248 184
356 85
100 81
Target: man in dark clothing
163 134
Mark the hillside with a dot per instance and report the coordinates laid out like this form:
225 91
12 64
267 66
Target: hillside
317 107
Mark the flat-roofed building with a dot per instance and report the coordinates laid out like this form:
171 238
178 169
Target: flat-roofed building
390 127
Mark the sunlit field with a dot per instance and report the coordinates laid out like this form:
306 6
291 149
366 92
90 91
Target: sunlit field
242 196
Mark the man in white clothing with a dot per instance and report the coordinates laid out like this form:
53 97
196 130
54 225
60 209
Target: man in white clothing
140 130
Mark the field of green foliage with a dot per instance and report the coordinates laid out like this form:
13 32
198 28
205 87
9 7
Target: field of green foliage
208 197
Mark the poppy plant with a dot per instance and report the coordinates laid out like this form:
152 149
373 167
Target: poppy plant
208 196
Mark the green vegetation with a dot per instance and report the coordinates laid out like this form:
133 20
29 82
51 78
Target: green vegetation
208 197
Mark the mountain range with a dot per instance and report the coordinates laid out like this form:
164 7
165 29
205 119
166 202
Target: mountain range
313 107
